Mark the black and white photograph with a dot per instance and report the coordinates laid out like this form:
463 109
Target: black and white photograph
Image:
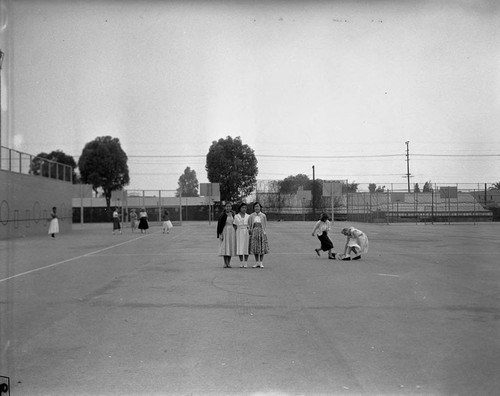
249 197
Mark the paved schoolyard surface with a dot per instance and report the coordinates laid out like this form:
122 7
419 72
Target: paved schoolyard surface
92 313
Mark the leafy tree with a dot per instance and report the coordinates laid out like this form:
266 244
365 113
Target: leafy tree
380 189
416 188
234 165
291 184
103 164
188 184
39 165
372 187
495 186
350 187
427 186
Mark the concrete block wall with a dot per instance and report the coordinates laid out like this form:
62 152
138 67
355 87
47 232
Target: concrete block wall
26 202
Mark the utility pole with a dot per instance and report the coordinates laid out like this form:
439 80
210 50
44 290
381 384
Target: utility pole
408 163
1 61
313 195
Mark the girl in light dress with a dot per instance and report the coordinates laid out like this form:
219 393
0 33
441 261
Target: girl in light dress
242 234
227 235
259 245
357 244
133 219
167 224
54 223
321 229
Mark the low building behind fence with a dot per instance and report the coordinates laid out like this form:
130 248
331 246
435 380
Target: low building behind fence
456 203
390 206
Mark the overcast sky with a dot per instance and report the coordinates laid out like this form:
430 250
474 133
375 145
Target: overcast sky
341 85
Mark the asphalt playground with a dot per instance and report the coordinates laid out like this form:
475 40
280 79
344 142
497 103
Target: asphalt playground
92 313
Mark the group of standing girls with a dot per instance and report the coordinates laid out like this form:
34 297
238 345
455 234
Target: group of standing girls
356 244
241 234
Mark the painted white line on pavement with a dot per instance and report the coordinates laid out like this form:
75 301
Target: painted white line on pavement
70 259
395 276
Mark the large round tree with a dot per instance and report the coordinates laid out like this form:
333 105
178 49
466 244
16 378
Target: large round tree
39 166
103 164
234 165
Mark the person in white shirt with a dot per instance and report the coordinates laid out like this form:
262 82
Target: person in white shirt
242 234
321 229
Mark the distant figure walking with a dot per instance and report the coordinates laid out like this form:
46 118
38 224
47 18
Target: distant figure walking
321 229
116 221
242 234
54 223
133 219
167 224
259 245
227 235
357 243
143 220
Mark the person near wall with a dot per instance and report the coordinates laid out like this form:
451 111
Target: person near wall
54 223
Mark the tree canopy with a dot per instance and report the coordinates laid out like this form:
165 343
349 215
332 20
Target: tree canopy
234 165
290 184
103 164
44 168
188 184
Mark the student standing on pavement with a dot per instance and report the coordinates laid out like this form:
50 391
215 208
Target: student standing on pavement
242 235
259 245
321 229
54 223
133 219
116 221
167 224
143 220
227 235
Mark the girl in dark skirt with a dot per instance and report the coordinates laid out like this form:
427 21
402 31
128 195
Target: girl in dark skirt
321 229
143 220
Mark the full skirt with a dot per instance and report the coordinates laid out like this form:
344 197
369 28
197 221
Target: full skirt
227 246
143 224
258 241
242 241
326 242
54 226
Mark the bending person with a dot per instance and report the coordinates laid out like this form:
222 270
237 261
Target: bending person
356 244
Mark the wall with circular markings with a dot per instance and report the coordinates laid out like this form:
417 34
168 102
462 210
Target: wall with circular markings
26 202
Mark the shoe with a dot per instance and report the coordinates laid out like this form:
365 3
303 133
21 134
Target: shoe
317 252
357 258
332 257
256 266
346 259
245 265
